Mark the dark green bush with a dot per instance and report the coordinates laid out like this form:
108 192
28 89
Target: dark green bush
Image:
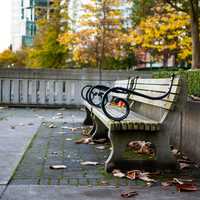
192 77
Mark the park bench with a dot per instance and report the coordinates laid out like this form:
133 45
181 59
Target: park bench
149 120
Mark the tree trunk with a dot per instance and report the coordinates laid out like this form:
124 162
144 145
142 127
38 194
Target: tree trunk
195 36
195 45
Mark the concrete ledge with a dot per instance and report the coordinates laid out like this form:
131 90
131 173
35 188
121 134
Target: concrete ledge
21 192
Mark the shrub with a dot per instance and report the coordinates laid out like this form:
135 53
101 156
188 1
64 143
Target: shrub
192 77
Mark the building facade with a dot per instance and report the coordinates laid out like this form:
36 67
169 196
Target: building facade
24 21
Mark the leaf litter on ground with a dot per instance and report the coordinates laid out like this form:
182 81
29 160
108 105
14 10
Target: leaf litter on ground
58 167
52 125
68 139
101 147
91 163
185 185
128 194
142 147
118 173
84 141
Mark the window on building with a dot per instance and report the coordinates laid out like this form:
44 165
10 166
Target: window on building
22 13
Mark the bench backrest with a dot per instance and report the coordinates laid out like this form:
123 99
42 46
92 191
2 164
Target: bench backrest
125 84
155 109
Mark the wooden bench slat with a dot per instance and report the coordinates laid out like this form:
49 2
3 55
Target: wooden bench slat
133 122
158 103
169 98
158 88
160 81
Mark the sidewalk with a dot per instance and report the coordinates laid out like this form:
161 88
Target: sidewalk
84 193
20 127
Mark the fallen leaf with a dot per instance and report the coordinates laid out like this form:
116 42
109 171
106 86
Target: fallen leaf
61 132
177 181
185 161
132 175
128 194
182 181
40 117
54 153
186 187
100 147
104 183
118 173
195 98
30 124
174 151
58 167
141 147
184 165
21 124
100 141
185 158
86 132
84 141
91 143
70 128
149 184
52 125
59 114
12 127
68 139
145 177
89 163
167 183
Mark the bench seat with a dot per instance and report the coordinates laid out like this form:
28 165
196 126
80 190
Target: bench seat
134 121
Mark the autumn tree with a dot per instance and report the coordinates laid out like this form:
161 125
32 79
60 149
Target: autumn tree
7 57
46 50
165 33
102 34
192 8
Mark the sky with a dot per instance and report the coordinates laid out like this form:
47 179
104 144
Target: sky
5 24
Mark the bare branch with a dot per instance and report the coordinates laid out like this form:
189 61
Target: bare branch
174 5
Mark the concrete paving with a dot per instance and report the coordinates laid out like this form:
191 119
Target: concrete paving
2 188
18 128
107 193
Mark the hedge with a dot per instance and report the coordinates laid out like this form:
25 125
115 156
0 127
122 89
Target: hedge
192 77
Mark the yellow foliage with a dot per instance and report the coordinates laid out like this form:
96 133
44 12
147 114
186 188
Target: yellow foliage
168 30
7 57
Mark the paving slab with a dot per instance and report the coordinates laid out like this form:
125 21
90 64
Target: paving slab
18 127
2 188
23 192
